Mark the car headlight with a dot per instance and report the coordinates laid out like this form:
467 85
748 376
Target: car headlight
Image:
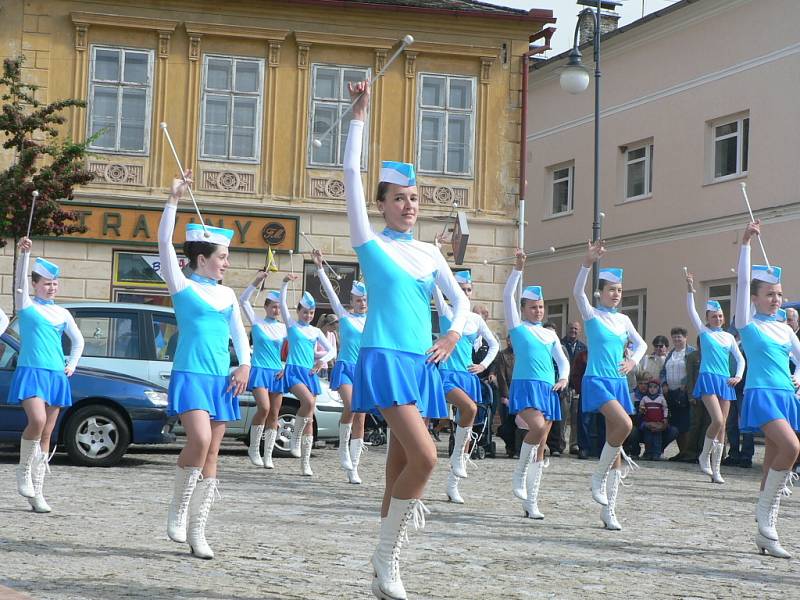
157 398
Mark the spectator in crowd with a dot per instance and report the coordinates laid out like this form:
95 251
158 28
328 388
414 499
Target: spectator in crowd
793 320
699 419
654 426
328 325
654 362
503 370
741 446
674 374
572 346
632 445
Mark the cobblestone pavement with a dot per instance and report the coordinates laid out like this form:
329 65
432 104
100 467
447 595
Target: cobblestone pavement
277 535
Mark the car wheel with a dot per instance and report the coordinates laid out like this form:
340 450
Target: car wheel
285 426
96 436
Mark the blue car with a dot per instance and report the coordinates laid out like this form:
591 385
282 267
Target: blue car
109 412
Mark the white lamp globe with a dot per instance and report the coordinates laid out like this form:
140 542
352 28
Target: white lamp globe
574 80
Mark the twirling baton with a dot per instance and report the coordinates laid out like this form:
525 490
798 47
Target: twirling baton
183 177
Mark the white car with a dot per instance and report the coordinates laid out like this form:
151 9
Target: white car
140 339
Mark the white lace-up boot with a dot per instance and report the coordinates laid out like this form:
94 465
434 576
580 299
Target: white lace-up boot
608 513
183 488
199 508
716 462
254 450
526 455
769 503
297 433
457 462
344 446
704 460
305 455
533 483
41 466
386 582
356 448
607 458
29 451
269 443
453 495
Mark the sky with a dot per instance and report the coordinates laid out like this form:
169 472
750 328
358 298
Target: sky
566 12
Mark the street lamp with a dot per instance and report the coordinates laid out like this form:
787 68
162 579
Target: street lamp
574 80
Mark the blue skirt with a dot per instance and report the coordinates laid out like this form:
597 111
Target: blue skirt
294 374
461 380
762 405
712 384
532 393
386 378
596 391
265 378
51 386
195 391
343 374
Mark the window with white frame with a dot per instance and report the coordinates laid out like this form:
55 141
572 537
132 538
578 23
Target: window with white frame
562 178
330 99
120 92
231 116
446 123
723 292
556 311
634 304
730 141
639 172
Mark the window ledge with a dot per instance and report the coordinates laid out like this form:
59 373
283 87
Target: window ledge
225 161
93 150
634 199
726 179
558 215
444 175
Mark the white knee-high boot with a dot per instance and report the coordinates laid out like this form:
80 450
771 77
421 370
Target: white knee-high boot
199 508
41 466
453 493
269 443
183 488
305 455
386 582
608 513
297 433
533 483
527 454
457 462
344 446
607 458
254 450
767 509
29 451
356 448
704 460
716 462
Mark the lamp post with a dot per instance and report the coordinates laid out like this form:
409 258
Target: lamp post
574 80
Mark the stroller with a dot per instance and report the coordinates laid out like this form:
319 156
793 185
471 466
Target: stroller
482 445
374 430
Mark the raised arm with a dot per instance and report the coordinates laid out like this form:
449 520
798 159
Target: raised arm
333 297
446 281
513 319
494 345
21 293
739 357
76 342
241 344
357 216
170 270
579 293
244 302
639 345
285 315
691 308
742 316
441 304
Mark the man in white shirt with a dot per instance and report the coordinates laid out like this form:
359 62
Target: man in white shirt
674 376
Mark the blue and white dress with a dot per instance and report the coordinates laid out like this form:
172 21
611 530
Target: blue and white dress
40 366
303 340
716 346
535 349
208 317
769 391
351 328
607 336
400 273
268 337
455 370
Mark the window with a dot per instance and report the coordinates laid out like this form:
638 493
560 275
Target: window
119 99
446 124
165 336
109 335
556 311
730 147
231 119
329 100
639 172
634 304
347 271
135 278
561 179
724 294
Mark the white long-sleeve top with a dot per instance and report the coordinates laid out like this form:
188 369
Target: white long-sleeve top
268 334
716 345
303 338
607 334
474 330
208 313
41 324
400 271
351 325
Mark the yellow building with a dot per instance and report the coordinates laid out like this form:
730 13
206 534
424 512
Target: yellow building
243 93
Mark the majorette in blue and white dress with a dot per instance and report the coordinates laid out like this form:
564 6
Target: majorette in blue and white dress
268 338
208 317
40 365
607 336
303 340
351 328
455 370
769 391
400 273
716 346
535 349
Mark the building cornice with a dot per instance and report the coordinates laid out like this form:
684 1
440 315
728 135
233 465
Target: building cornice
237 31
129 22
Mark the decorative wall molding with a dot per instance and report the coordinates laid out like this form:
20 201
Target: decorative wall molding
302 55
258 33
444 195
338 39
327 187
381 54
456 49
411 64
164 37
274 53
486 68
126 21
81 34
194 47
117 173
227 181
